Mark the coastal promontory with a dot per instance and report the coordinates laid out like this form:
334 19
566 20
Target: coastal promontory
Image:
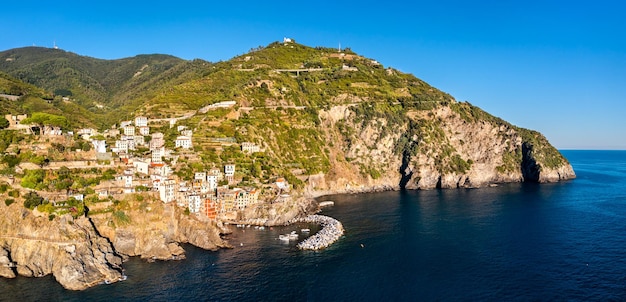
102 160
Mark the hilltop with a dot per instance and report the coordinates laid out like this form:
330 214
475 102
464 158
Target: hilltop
328 120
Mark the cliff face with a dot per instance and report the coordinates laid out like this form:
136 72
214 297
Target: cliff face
69 249
444 147
153 230
83 252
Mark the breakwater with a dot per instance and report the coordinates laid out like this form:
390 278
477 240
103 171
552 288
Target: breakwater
331 231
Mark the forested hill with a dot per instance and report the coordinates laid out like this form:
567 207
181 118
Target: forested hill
328 120
104 89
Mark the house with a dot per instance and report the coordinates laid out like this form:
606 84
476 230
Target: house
210 207
141 166
112 133
104 193
183 142
157 155
167 189
211 181
195 203
144 130
227 199
15 120
157 141
249 147
99 145
125 123
282 184
121 146
139 140
86 133
181 128
79 197
348 68
245 198
217 173
241 199
229 170
200 176
141 121
129 130
127 179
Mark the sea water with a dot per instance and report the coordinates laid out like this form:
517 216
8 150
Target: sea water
561 241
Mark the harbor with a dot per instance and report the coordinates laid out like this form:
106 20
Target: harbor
331 231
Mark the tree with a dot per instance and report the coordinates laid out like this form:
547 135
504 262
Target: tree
4 123
41 120
32 199
33 179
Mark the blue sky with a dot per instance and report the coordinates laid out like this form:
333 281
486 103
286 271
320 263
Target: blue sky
558 67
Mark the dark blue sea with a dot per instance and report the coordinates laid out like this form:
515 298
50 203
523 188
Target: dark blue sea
516 242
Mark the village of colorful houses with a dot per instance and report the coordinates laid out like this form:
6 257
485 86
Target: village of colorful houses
201 196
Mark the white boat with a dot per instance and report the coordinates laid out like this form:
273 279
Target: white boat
261 228
293 235
305 230
327 203
283 237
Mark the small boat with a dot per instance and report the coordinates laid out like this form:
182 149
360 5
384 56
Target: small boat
293 235
327 203
123 277
283 237
305 230
261 228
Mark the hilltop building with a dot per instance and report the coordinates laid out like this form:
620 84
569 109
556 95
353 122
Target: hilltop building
141 121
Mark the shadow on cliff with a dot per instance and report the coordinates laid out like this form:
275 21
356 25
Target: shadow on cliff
404 175
530 168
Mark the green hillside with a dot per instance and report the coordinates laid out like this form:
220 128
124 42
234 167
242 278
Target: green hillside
104 88
313 110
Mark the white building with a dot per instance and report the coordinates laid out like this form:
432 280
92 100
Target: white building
141 166
141 121
194 203
129 130
217 173
200 176
229 170
121 146
144 130
183 142
127 178
167 192
125 123
282 184
157 155
99 145
139 140
249 147
211 181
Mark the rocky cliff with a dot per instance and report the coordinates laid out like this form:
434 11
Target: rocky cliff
451 146
69 249
153 230
82 252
